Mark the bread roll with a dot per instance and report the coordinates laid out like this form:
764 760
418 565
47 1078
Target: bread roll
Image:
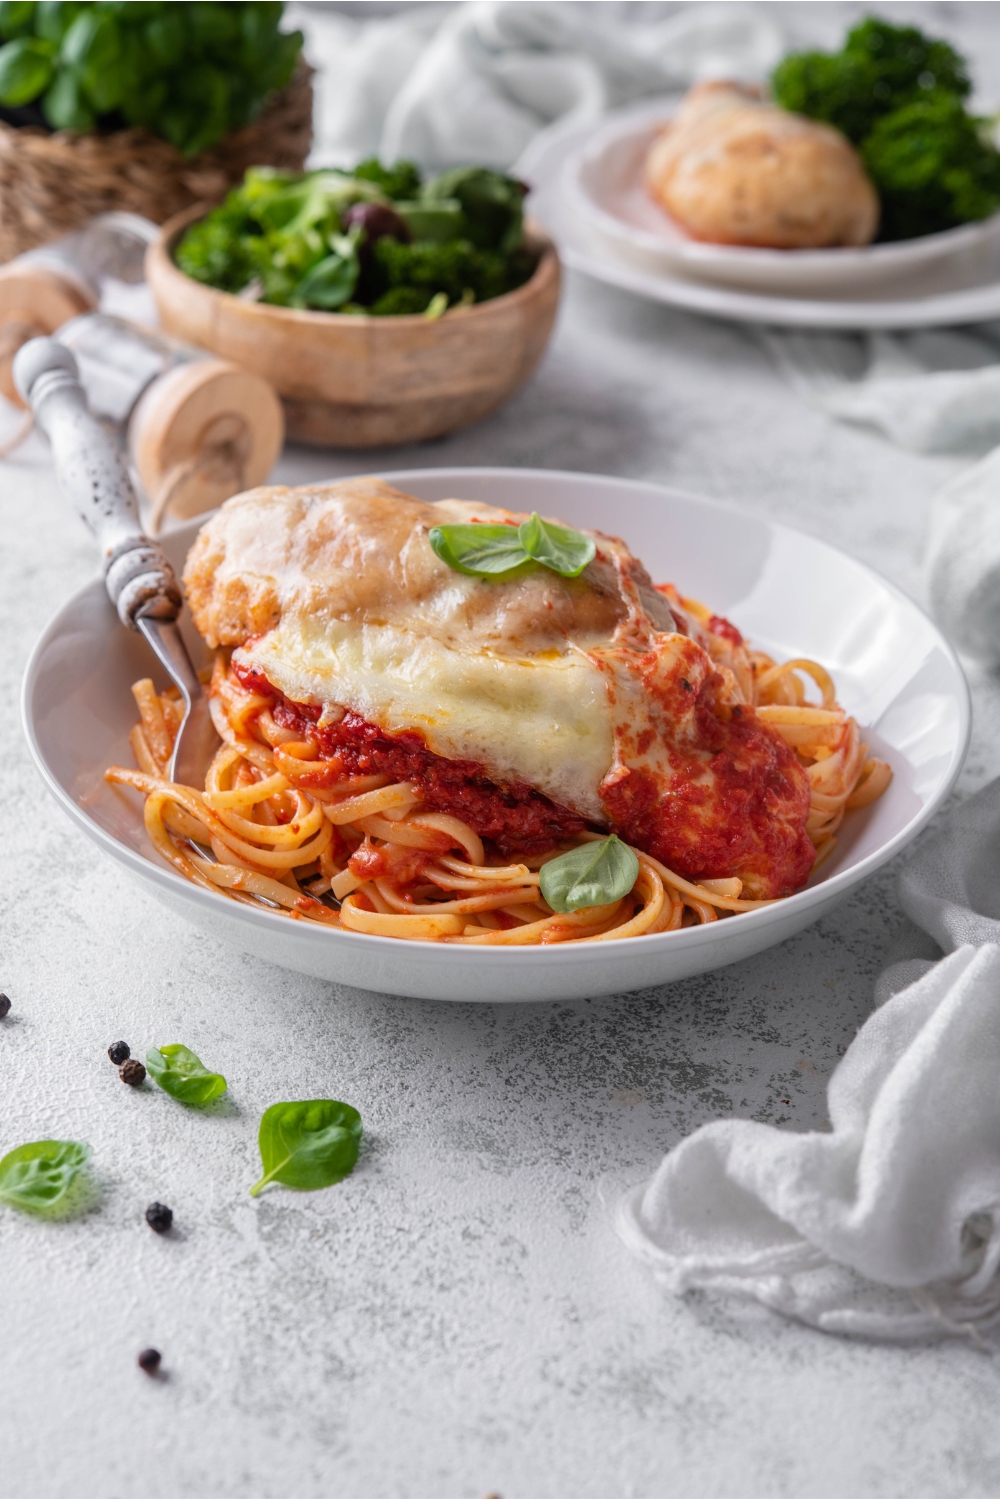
734 170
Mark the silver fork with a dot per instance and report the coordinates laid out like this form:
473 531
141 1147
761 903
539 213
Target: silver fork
139 579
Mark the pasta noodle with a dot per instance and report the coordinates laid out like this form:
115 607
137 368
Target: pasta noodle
364 854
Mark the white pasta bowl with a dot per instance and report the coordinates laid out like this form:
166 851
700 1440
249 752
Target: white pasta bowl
604 184
792 595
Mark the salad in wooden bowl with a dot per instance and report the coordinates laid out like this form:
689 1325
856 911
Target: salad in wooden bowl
384 309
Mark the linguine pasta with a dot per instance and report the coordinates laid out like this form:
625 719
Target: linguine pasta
364 853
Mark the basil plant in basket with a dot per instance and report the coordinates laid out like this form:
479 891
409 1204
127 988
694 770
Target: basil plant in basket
189 73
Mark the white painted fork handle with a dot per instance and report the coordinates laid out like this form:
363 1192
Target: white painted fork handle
138 577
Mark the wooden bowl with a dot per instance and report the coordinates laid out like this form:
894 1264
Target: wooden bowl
360 382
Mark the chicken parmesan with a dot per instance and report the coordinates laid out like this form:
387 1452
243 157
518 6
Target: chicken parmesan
409 744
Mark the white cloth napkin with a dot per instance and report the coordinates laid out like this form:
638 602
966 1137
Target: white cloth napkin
476 83
888 1225
936 391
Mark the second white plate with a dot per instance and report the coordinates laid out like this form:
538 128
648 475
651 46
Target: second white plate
958 290
604 183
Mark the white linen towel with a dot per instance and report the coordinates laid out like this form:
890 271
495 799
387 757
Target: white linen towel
936 391
476 83
888 1225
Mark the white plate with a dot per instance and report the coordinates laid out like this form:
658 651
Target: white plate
962 289
603 180
791 594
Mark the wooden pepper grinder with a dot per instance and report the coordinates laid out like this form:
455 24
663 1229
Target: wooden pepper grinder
195 429
42 289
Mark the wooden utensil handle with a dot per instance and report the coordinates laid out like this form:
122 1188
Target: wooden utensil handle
138 577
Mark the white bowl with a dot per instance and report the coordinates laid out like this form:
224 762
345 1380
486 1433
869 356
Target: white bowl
605 185
793 595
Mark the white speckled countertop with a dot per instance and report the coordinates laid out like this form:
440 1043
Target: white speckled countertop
457 1318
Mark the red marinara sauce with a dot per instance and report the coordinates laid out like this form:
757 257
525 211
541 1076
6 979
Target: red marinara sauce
515 817
734 801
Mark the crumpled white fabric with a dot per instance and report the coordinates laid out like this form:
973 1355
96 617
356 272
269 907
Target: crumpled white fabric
935 391
476 83
888 1225
962 558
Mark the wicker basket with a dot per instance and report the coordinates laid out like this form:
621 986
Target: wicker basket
51 182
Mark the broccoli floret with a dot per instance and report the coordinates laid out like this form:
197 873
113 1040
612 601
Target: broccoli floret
452 269
907 61
879 69
401 180
932 167
220 250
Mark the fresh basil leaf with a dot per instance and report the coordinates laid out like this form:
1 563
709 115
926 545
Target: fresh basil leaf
37 1177
65 106
590 875
564 551
478 549
308 1144
16 17
331 282
184 1076
26 70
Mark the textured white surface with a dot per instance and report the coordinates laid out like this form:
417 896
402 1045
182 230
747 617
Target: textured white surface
458 1316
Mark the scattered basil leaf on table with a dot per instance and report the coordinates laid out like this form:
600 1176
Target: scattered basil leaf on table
478 549
36 1177
590 875
557 547
184 1076
485 550
308 1144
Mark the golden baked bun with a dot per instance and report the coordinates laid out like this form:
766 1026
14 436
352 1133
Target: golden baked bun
734 170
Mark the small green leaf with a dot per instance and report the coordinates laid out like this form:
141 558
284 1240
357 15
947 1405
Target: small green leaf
183 1076
478 549
309 1144
437 223
590 875
26 69
37 1177
331 282
65 106
564 551
16 17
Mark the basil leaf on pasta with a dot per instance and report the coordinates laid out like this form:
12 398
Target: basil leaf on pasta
590 875
557 547
308 1144
478 549
37 1177
184 1076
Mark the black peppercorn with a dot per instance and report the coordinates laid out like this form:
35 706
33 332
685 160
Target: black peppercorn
132 1072
119 1052
149 1360
159 1217
4 1006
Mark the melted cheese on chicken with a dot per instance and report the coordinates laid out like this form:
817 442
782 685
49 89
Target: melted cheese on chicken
593 690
